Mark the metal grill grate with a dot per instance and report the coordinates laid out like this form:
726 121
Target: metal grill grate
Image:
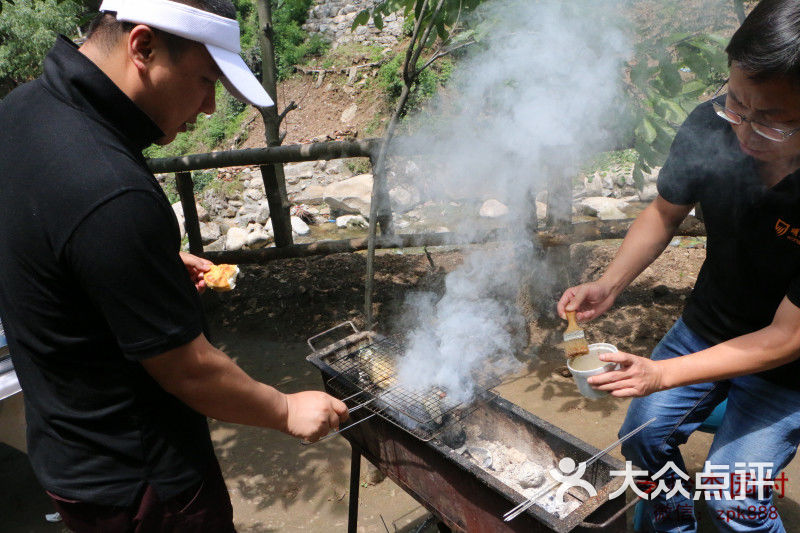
372 370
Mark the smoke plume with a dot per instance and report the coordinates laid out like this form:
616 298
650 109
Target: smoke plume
535 94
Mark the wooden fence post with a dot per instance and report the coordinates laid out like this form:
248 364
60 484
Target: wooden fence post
185 187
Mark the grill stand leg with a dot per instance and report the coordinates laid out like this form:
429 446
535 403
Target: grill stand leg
355 478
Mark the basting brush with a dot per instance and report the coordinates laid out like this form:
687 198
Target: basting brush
574 340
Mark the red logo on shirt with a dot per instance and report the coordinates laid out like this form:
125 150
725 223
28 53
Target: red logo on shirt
785 230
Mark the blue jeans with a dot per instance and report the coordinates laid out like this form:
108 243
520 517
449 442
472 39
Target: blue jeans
761 424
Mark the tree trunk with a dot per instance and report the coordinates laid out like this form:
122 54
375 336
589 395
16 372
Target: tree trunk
274 179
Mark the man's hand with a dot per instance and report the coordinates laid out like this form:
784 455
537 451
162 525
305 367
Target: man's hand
196 266
590 300
638 376
310 415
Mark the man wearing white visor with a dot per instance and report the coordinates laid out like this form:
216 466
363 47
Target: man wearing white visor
101 312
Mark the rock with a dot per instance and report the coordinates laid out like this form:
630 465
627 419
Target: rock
652 177
254 193
603 208
302 170
351 221
262 214
493 209
352 76
209 232
300 227
350 196
593 185
236 238
403 199
313 194
216 246
349 114
177 207
541 210
245 218
225 224
648 193
259 238
202 214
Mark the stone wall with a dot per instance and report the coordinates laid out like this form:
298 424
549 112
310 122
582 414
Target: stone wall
333 18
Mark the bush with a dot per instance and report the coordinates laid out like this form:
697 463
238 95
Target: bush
28 30
292 44
428 82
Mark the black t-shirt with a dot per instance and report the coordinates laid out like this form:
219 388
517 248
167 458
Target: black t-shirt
753 247
90 284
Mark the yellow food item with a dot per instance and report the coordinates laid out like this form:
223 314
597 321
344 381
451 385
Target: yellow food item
221 277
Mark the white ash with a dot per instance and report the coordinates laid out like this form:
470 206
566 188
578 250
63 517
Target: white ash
515 469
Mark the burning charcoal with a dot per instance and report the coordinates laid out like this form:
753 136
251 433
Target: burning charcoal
453 435
481 456
531 475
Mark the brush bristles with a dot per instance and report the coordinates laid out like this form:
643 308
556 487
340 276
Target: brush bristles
575 347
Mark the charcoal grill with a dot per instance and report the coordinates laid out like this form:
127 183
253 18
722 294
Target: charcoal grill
417 451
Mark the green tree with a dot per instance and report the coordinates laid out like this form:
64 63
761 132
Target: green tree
28 29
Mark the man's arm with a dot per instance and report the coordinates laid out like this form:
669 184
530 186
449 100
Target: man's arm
649 234
208 381
769 347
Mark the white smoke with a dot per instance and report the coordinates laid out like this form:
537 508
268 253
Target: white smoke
548 75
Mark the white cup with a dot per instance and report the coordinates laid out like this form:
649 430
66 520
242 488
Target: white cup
584 366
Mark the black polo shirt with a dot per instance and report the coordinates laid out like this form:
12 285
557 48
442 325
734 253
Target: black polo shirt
753 247
90 284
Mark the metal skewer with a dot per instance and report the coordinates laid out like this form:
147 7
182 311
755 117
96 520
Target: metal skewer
329 435
351 410
522 507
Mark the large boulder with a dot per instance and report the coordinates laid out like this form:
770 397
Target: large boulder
351 196
236 238
351 221
209 232
299 227
603 208
297 171
312 194
493 209
403 198
259 238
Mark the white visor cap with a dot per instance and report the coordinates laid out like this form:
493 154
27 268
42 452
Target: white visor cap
220 35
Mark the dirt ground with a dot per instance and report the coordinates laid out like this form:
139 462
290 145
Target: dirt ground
278 485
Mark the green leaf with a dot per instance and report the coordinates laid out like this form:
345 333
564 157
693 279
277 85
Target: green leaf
670 76
638 176
645 151
646 130
694 87
377 18
360 19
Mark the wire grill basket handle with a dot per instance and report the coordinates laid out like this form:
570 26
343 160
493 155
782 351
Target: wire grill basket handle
334 328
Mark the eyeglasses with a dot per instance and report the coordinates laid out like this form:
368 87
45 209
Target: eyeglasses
768 132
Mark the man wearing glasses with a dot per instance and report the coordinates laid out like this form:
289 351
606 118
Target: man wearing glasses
736 156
